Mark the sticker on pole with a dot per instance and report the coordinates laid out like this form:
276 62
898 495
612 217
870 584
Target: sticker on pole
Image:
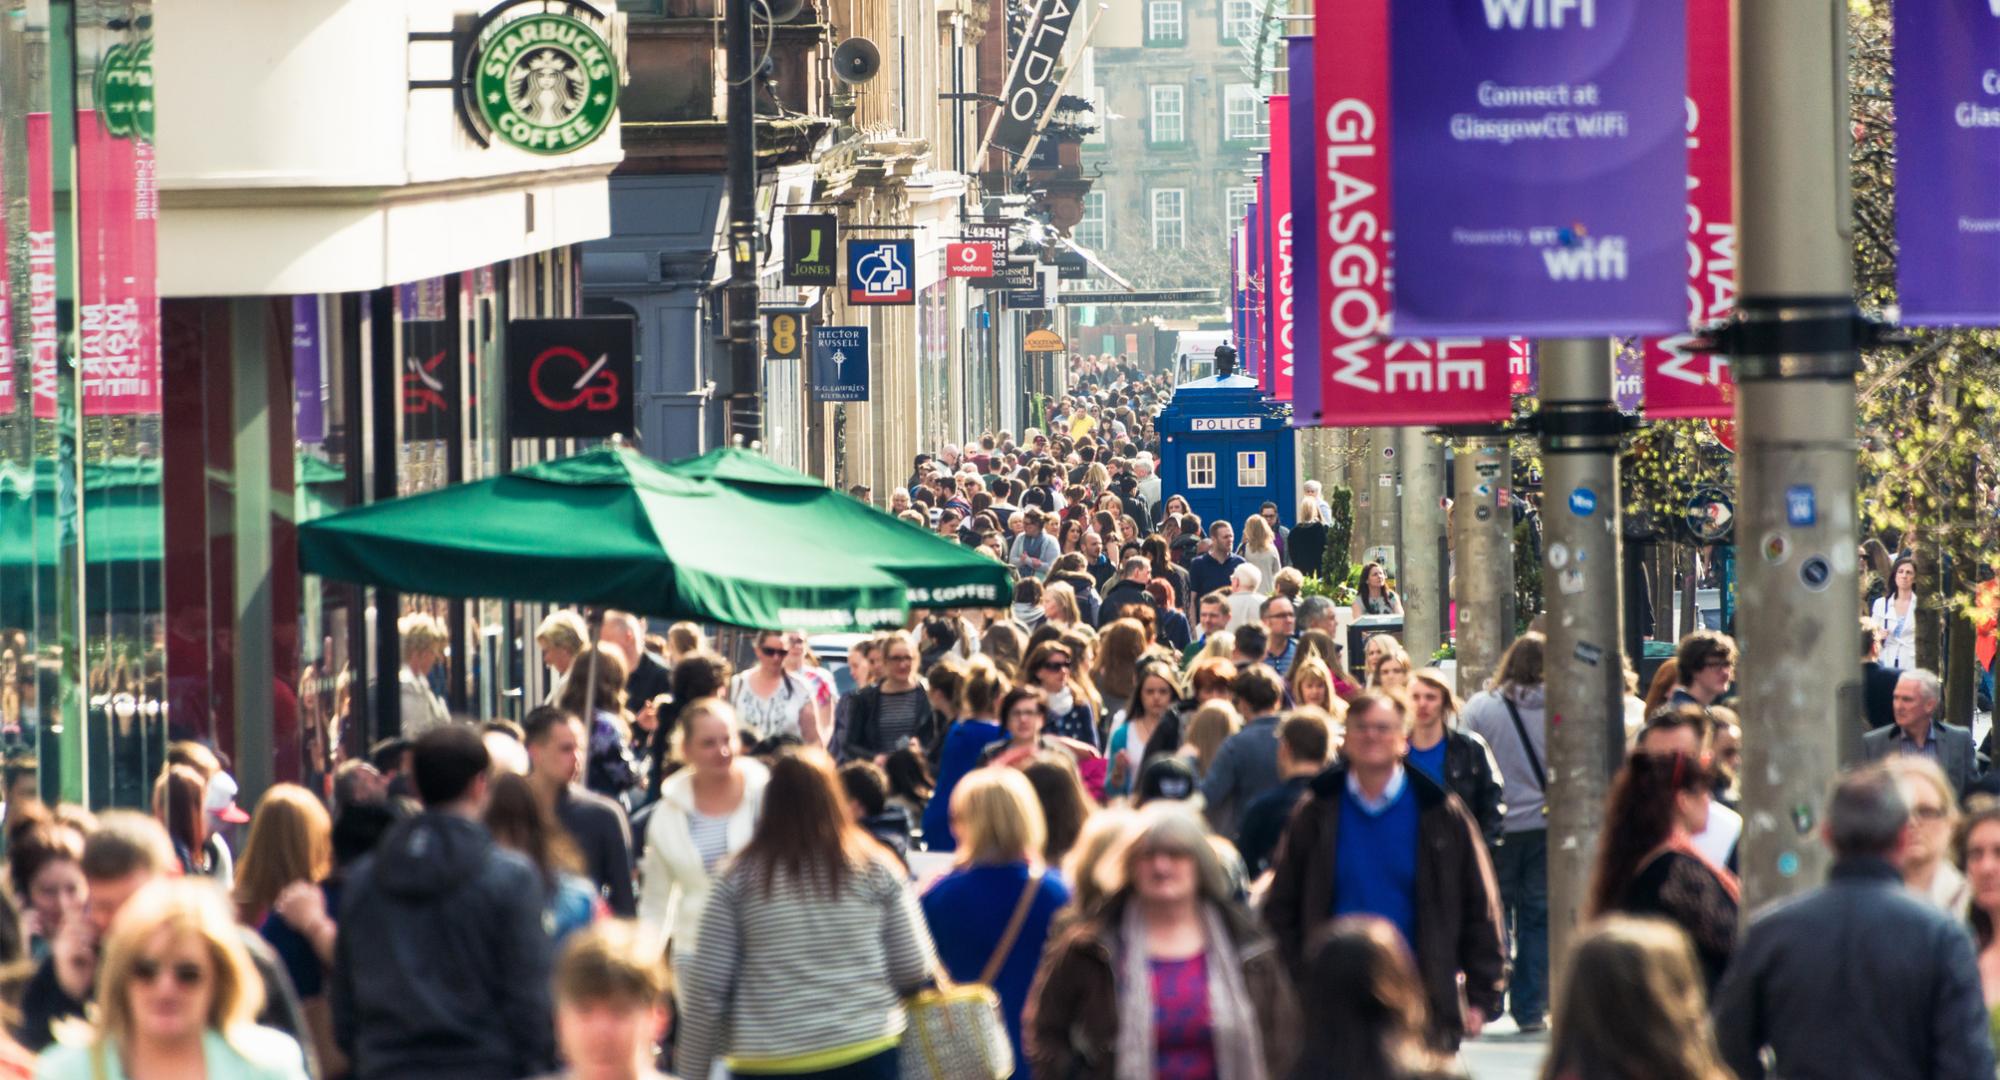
1801 508
1815 573
1583 502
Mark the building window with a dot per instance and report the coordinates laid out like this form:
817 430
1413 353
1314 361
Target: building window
1239 20
1239 200
1169 217
1250 469
1166 121
1201 471
1242 113
1090 231
1164 25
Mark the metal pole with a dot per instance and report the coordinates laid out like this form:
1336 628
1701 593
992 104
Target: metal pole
1584 667
1794 355
1422 578
739 298
1383 506
1483 539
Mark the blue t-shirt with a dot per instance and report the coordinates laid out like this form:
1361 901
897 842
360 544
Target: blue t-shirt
967 911
960 756
1430 761
1375 861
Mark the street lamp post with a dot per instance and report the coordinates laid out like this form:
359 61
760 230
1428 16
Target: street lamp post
1419 557
1584 662
1482 529
1794 353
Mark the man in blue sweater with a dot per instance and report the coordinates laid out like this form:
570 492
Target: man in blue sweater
1210 570
1376 838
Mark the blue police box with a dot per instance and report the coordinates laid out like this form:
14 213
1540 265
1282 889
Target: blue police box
1227 448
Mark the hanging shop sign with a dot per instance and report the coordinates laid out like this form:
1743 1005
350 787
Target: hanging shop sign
118 314
571 378
881 272
840 363
430 376
1278 366
540 81
124 89
784 336
1035 77
968 258
1043 341
1041 292
810 243
1539 167
1008 274
1680 384
1304 388
1947 154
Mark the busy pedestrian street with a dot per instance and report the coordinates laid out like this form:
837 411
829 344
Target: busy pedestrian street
958 540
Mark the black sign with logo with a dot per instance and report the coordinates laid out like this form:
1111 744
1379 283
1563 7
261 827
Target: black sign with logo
430 380
1035 77
812 251
570 378
1014 273
1071 266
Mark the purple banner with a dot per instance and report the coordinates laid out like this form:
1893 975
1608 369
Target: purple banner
308 374
1539 167
1248 362
1947 162
1305 234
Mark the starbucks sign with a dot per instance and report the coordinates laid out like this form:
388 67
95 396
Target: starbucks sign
542 82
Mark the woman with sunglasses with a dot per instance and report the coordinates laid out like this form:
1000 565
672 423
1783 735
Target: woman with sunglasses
1025 715
1051 666
889 714
1647 863
773 702
177 996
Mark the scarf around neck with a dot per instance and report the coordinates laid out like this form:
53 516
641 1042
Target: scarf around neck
1239 1049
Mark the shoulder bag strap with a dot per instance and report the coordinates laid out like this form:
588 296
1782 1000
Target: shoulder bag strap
1534 759
1013 931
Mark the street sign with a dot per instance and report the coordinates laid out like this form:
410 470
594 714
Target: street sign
1710 516
809 248
784 336
570 378
1043 341
840 363
882 272
969 259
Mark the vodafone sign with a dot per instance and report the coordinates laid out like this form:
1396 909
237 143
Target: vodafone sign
968 259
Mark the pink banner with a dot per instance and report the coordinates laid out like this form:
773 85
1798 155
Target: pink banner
118 329
6 321
1680 384
1283 289
1520 366
41 269
1365 379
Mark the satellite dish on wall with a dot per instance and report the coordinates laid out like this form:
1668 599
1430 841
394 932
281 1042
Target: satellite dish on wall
857 60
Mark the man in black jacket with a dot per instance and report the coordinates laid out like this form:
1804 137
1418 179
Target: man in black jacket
442 965
603 836
1878 681
1859 977
1129 588
124 853
650 677
1304 742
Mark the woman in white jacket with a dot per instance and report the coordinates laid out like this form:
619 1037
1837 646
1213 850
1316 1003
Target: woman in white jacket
706 813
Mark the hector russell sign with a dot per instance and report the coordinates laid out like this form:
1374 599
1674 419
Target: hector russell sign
1539 167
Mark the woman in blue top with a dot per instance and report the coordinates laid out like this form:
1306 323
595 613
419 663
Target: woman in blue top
978 726
1158 692
999 884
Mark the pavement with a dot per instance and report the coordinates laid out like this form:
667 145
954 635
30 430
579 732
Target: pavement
1503 1053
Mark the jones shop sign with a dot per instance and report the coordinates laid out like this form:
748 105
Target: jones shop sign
540 82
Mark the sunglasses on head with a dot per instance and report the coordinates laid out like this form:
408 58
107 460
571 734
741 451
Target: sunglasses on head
185 973
1058 664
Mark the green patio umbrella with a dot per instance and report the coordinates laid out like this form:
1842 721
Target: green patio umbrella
612 528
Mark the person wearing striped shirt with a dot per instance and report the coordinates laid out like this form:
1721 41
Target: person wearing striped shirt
810 942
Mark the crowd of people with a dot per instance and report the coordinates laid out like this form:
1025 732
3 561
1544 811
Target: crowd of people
1148 823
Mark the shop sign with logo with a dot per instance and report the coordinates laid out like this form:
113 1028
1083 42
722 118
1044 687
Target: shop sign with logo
124 90
540 81
570 378
969 259
810 243
840 363
784 336
1044 341
1008 274
882 272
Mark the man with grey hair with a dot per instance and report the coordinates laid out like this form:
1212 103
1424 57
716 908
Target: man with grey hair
1316 613
1917 731
1859 977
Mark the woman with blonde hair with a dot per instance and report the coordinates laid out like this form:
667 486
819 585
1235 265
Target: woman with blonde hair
1101 832
1209 727
1260 549
291 840
1392 671
423 640
706 812
684 639
1220 645
990 915
1311 683
1059 608
1166 967
1321 644
177 995
1927 866
1633 1008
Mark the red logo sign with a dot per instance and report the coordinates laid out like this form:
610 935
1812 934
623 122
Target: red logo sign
968 259
563 379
